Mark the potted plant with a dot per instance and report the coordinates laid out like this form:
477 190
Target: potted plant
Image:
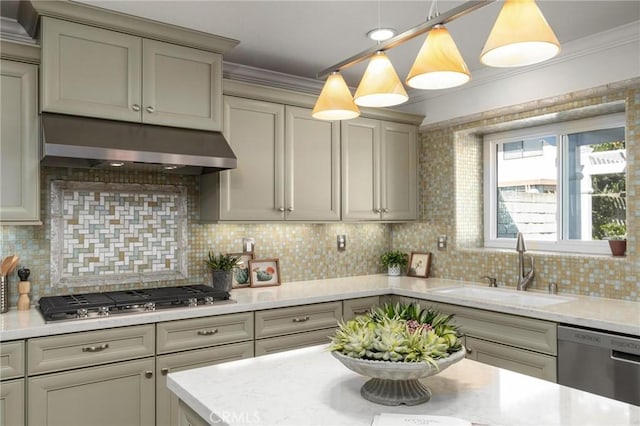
616 233
394 261
221 267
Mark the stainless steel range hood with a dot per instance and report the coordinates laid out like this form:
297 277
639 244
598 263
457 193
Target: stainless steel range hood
71 141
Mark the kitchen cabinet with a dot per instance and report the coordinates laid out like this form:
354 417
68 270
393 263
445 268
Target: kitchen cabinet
19 158
12 410
100 73
193 343
351 308
69 378
379 170
288 165
295 327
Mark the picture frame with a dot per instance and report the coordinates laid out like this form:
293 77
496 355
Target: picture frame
241 271
264 272
419 264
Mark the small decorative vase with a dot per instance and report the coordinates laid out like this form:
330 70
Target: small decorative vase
393 270
618 247
395 383
222 280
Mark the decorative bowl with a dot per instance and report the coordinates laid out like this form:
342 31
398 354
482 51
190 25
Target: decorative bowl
395 383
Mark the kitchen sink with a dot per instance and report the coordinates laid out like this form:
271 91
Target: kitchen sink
504 296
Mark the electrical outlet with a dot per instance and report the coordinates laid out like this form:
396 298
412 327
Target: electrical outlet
248 245
342 242
442 242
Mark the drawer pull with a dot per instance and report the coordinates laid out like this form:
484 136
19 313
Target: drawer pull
207 332
361 312
102 347
301 319
164 371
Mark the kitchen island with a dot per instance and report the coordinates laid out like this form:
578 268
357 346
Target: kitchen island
309 387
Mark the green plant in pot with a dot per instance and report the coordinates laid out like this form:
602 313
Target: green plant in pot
616 233
221 267
394 261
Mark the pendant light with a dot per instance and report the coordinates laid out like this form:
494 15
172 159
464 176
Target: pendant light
335 101
439 64
380 85
520 36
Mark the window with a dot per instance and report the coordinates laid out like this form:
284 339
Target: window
563 185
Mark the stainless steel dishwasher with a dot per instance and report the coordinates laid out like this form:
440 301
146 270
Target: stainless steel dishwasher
599 362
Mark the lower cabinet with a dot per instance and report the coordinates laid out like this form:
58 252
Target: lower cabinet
12 402
188 417
121 393
351 308
167 412
295 327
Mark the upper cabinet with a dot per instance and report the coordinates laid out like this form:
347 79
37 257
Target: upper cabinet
19 162
379 170
100 73
288 165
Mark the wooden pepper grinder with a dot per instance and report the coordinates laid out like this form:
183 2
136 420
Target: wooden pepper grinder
24 287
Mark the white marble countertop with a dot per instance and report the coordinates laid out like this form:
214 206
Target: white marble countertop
309 387
606 314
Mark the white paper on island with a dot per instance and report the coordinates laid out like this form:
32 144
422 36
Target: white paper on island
391 419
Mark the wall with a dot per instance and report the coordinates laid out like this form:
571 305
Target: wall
306 251
451 157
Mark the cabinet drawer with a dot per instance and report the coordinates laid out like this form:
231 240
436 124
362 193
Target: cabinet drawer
276 322
521 361
11 360
201 332
354 307
527 333
293 341
89 348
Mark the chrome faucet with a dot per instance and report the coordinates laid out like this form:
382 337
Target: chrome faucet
524 278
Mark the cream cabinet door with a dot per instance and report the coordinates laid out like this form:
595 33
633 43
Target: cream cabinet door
113 394
312 167
398 175
361 169
181 86
167 411
19 162
12 402
255 189
90 71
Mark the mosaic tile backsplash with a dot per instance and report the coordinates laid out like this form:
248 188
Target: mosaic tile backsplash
450 198
105 233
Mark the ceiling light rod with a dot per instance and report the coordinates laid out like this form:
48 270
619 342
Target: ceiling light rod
441 19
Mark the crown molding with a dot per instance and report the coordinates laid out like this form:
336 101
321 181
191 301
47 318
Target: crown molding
247 74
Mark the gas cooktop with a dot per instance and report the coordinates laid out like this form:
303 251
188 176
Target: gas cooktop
96 305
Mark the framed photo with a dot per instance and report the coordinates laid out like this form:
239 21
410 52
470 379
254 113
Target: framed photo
419 264
264 272
241 271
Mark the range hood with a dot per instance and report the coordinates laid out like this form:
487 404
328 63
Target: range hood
83 142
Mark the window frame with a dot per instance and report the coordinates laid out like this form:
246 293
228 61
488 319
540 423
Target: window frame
560 130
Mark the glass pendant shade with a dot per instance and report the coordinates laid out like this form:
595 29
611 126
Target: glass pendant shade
439 64
335 101
380 85
520 36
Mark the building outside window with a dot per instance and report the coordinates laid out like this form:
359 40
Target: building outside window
562 185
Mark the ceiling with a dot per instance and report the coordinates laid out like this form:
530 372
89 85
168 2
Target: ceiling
304 37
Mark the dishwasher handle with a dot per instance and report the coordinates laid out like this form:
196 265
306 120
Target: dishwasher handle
625 357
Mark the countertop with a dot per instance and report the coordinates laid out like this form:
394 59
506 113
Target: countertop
600 313
309 387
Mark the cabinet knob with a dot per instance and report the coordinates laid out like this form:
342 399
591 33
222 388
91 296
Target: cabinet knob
289 209
469 350
135 107
164 371
150 110
280 209
377 210
385 210
148 374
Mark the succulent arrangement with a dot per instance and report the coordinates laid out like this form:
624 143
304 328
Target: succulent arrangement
222 262
398 333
